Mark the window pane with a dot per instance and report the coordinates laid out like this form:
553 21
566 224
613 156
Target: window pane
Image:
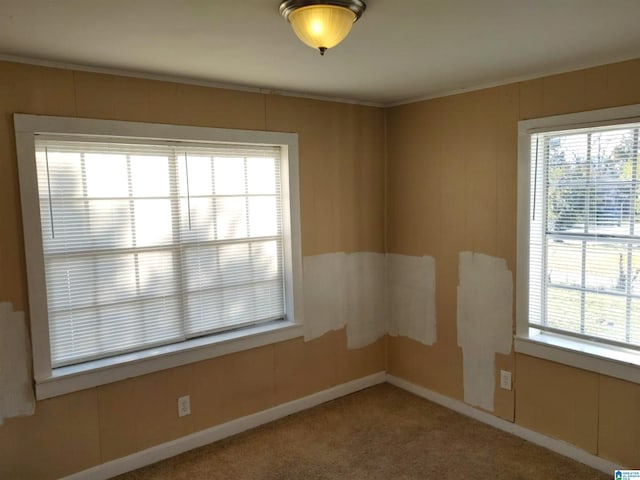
213 266
59 173
108 330
564 262
153 222
563 309
99 291
604 209
200 264
150 176
199 175
234 262
261 174
106 175
606 267
590 182
157 274
634 325
605 316
82 225
197 219
236 305
233 284
231 217
263 215
90 280
109 279
229 176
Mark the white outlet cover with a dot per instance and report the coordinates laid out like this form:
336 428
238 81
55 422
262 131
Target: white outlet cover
184 406
505 379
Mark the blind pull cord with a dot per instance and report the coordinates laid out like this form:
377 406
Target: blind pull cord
46 158
535 182
186 167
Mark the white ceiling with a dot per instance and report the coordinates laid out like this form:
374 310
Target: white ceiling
399 50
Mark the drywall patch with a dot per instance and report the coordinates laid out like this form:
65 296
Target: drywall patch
411 287
485 324
16 387
345 289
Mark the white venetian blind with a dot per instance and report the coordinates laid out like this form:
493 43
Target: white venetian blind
585 234
151 244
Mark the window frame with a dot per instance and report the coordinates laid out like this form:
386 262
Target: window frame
57 381
615 361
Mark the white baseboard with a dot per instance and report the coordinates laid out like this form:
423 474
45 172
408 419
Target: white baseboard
558 446
213 434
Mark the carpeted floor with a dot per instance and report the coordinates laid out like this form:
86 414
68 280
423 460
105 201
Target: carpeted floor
379 433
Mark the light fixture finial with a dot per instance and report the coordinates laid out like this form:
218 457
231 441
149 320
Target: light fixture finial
322 24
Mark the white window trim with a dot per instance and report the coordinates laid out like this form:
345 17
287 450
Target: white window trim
588 355
52 382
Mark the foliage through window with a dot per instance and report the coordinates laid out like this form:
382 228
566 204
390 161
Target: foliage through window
584 252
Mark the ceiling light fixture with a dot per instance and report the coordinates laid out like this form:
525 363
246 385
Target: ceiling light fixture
322 24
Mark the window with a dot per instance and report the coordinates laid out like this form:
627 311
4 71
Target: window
582 235
150 245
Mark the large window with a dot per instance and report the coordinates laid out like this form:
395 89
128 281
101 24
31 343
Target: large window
583 223
146 243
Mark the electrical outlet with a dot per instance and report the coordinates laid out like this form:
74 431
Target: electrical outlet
505 379
184 406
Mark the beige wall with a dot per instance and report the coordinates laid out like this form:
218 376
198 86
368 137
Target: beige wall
452 187
342 203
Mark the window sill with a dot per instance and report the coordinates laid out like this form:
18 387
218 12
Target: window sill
99 372
604 359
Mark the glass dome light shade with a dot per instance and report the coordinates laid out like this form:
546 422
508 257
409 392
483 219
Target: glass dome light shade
322 26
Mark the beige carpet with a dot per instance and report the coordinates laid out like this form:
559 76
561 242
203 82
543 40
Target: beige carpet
379 433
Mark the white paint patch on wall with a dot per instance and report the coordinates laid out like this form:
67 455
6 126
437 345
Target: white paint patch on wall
16 386
411 287
366 298
345 289
485 324
325 299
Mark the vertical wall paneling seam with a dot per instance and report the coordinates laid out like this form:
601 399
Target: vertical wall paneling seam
264 106
519 106
544 102
465 199
386 352
385 212
598 415
100 449
274 376
514 382
75 91
496 157
606 85
191 418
